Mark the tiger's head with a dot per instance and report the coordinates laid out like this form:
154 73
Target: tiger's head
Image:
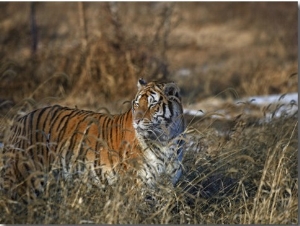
157 111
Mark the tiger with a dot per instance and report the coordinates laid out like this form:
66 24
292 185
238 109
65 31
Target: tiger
148 137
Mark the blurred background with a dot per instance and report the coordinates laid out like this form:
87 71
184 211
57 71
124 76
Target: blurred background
90 55
240 162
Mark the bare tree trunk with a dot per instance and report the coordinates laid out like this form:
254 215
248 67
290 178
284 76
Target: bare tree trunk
33 27
82 23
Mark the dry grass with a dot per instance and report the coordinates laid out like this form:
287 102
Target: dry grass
244 172
250 178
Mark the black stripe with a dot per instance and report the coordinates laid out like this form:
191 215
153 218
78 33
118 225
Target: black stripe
39 133
53 120
98 142
64 126
30 125
30 141
104 134
50 109
40 115
110 132
72 143
150 171
123 122
115 131
117 127
24 130
165 106
121 127
86 134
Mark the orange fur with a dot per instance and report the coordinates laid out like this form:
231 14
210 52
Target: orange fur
71 140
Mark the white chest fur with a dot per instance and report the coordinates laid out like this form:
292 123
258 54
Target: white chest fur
160 160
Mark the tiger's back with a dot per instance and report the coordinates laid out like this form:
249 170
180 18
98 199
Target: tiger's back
71 142
56 129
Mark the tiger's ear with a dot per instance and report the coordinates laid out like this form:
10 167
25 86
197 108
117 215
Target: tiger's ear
141 83
171 89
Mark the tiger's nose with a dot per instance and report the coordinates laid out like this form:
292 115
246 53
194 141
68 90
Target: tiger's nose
137 121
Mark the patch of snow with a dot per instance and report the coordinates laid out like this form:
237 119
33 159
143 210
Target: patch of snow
184 72
286 104
264 100
193 112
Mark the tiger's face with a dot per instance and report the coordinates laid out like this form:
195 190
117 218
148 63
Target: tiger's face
157 111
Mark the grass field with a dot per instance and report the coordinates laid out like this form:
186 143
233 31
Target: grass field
240 169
